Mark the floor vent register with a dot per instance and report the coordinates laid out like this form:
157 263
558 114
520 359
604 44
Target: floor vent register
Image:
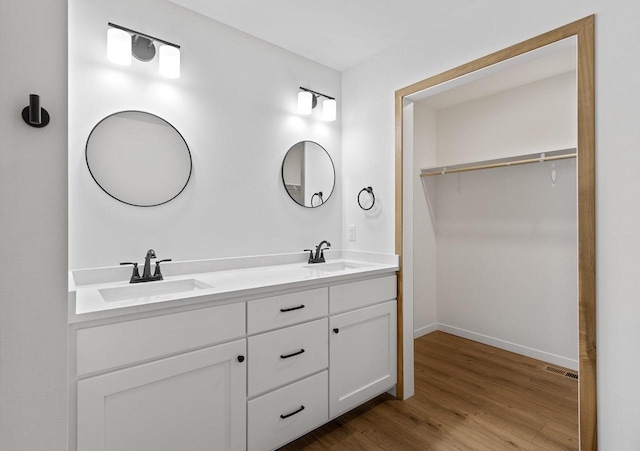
560 372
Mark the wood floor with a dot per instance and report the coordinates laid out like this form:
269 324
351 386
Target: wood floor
468 396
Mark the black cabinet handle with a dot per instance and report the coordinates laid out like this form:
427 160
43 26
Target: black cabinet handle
292 308
292 413
291 355
336 330
240 358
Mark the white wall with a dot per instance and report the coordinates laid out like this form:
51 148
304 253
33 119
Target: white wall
506 259
33 228
235 105
485 27
536 117
425 312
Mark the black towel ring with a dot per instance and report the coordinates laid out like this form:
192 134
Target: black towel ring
319 194
369 190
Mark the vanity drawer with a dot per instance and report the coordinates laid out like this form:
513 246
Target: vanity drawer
266 427
279 357
103 347
351 296
279 311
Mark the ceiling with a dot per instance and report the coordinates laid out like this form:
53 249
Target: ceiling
539 64
336 33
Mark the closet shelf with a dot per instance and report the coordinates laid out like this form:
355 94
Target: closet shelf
500 162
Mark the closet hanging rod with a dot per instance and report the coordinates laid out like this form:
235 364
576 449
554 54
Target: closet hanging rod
499 163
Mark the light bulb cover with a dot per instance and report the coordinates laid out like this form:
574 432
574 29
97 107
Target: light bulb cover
305 102
118 46
169 63
329 109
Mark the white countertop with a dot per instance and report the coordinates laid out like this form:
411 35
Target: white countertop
96 293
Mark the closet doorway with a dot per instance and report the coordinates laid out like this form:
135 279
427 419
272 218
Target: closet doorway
453 166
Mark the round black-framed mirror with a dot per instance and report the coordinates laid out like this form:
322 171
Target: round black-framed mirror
138 158
308 174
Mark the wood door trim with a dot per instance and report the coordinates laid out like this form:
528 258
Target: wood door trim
583 29
399 244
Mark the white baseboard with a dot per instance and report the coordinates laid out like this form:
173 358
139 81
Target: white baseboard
507 346
425 330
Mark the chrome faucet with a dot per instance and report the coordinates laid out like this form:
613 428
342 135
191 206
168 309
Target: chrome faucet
146 272
319 255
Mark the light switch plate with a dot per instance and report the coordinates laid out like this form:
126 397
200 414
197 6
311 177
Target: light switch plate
351 232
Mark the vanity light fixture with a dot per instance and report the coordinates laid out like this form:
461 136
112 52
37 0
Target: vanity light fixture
119 46
123 42
308 100
329 109
169 63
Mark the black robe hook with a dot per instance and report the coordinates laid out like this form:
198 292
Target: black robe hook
33 115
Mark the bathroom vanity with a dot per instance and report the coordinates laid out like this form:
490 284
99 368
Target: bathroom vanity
228 354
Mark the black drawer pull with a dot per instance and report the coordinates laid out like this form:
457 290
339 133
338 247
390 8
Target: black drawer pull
336 330
290 309
292 413
240 358
291 355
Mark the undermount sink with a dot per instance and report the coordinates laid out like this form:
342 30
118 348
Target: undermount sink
151 289
335 266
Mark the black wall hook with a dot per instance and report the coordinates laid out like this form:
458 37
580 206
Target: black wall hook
33 115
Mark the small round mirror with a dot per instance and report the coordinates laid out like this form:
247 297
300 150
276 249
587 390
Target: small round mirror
138 158
308 174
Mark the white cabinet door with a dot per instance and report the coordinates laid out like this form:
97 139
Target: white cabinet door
191 402
362 350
